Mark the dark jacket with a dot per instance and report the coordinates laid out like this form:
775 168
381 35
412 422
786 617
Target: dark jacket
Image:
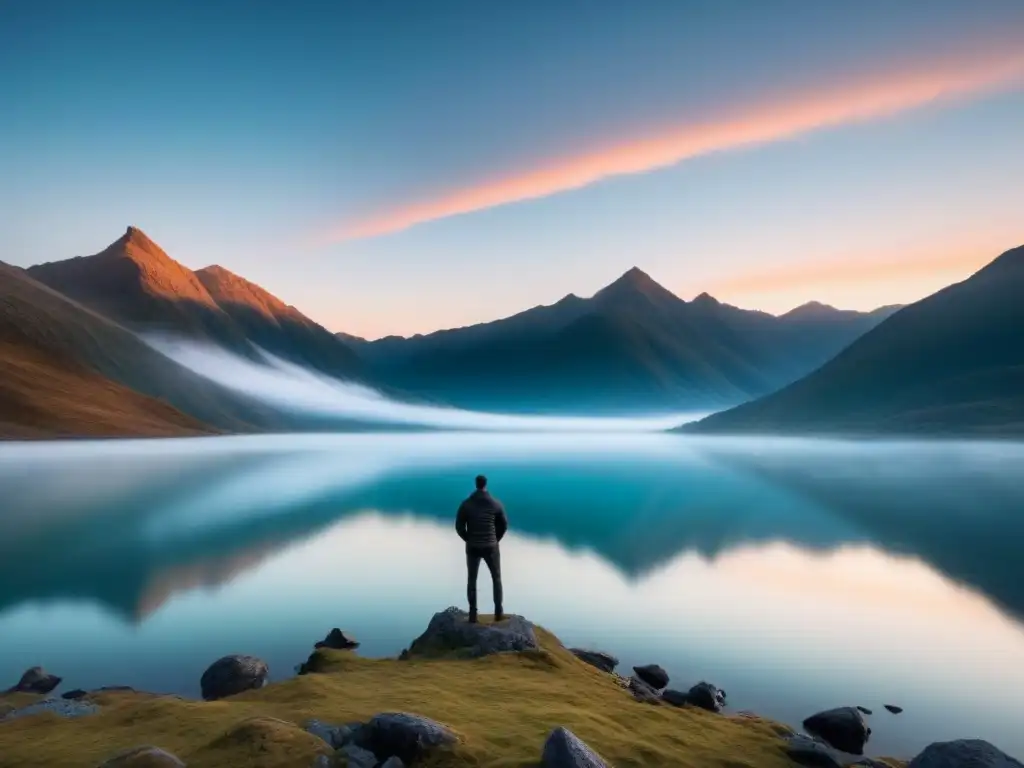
481 521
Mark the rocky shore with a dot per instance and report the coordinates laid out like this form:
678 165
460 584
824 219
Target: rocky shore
462 694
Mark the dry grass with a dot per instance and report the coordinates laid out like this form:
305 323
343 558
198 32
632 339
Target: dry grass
45 397
502 707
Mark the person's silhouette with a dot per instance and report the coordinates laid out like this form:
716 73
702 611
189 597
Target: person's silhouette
481 523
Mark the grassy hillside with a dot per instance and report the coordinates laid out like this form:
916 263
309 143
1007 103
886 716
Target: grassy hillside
46 396
46 333
502 706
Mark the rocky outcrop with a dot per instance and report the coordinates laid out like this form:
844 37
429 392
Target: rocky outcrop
642 691
76 693
844 728
653 675
893 708
358 757
707 696
450 630
563 749
232 675
36 680
336 736
406 736
339 640
810 752
60 707
963 753
603 661
144 757
865 710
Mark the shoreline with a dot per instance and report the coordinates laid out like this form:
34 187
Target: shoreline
498 694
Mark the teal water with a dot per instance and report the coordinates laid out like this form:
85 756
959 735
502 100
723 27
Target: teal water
796 574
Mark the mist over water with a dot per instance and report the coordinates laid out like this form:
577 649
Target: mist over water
295 389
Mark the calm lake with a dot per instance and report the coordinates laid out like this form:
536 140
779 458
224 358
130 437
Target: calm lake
796 574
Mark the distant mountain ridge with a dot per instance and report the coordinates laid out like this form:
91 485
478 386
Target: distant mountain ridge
952 363
634 345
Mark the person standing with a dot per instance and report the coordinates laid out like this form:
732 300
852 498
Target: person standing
481 522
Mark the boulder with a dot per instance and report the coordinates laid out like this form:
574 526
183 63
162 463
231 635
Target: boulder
77 693
393 762
358 757
807 751
603 661
893 708
653 675
563 749
143 757
450 630
37 680
642 691
336 736
231 675
963 753
844 728
674 697
707 696
339 640
404 735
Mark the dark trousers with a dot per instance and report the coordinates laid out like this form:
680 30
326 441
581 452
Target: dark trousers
491 556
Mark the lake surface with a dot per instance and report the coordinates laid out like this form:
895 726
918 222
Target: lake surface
796 574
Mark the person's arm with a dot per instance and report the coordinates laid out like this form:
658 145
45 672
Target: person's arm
500 521
460 522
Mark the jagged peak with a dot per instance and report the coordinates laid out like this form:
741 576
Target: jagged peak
632 282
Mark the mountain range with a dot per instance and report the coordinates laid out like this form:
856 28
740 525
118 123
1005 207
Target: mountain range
632 347
74 362
952 363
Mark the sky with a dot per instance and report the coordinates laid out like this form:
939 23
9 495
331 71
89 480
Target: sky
399 167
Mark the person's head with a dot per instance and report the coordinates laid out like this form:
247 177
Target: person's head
481 482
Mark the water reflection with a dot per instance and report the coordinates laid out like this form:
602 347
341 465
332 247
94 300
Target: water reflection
128 524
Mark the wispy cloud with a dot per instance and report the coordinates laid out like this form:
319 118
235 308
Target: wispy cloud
781 118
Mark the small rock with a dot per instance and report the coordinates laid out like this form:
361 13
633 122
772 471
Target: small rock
405 735
338 640
357 757
707 696
963 753
865 710
231 675
336 736
77 693
844 728
603 661
643 692
563 749
653 675
143 757
675 698
807 751
393 762
37 680
893 708
61 707
450 630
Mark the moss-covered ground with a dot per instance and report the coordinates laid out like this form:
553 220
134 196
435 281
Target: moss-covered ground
502 706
